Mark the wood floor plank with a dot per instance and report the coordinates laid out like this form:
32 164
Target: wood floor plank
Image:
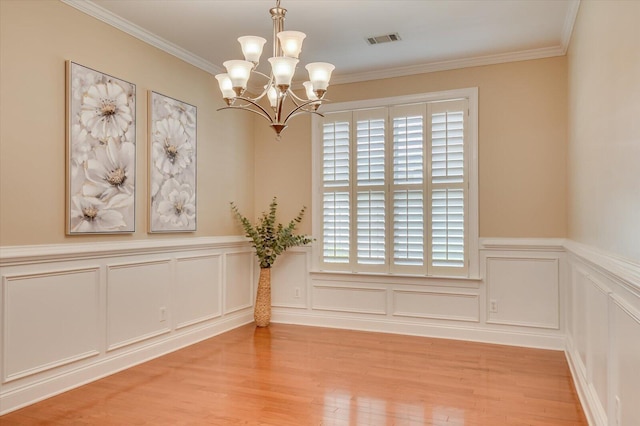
296 375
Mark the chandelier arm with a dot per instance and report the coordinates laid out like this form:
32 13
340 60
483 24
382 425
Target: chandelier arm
262 113
266 88
257 105
296 97
268 77
300 110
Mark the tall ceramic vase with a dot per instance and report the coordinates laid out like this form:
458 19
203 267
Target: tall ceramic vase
262 310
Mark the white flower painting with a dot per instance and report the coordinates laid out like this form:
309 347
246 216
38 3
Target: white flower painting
101 150
172 166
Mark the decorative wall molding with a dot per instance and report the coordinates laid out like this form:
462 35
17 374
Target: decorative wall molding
456 308
467 304
18 255
197 273
147 282
525 244
27 348
239 274
603 334
616 268
367 300
74 313
225 266
535 279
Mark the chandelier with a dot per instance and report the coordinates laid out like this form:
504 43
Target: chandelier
286 49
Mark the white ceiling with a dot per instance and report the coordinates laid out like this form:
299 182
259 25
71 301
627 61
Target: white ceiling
436 34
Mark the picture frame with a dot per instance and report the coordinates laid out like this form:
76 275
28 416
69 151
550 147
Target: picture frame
172 164
100 152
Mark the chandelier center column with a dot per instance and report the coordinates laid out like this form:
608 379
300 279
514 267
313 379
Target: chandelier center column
277 14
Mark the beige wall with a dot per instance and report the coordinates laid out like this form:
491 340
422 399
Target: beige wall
522 132
36 39
604 127
522 145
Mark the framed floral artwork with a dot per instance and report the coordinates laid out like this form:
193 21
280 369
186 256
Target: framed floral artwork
101 152
172 164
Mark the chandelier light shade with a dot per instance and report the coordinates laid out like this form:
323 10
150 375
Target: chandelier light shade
252 47
287 46
291 43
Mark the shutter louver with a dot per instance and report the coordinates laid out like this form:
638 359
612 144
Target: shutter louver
447 147
335 219
336 200
448 188
408 193
447 227
335 149
408 227
407 150
371 227
370 152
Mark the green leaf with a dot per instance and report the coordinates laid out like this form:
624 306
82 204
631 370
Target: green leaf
270 239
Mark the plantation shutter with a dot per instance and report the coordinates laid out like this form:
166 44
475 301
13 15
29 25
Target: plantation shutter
336 192
407 187
395 189
370 196
448 184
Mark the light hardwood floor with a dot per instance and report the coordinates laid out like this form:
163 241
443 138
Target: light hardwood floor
295 375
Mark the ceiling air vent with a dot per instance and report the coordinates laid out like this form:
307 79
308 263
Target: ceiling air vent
387 38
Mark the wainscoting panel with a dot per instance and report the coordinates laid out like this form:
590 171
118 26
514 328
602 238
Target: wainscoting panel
525 275
240 281
626 374
137 302
290 274
603 339
368 300
198 289
74 313
523 291
597 313
580 284
50 319
460 306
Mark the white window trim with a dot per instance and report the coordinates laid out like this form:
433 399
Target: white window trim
473 222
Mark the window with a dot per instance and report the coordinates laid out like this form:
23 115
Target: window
396 185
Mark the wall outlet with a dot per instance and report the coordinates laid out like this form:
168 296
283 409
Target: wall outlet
163 314
493 306
297 293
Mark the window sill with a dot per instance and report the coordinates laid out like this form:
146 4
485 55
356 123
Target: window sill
385 277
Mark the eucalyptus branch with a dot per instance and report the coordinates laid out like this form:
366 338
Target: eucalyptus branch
270 239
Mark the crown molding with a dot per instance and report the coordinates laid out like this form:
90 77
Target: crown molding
525 55
569 22
140 33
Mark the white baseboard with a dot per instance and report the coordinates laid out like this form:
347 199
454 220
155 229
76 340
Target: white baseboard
444 331
590 404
